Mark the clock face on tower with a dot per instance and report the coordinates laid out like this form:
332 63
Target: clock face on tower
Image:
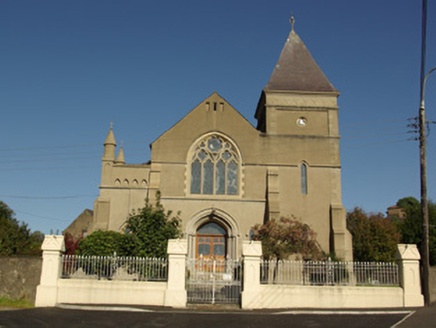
302 121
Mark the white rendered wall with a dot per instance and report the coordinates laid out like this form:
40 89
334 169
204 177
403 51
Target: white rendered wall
81 291
327 297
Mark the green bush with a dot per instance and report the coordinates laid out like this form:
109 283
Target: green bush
146 234
106 243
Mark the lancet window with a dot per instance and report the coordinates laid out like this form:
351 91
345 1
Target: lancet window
303 179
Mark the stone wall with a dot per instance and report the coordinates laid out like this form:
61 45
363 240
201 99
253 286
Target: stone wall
433 284
19 277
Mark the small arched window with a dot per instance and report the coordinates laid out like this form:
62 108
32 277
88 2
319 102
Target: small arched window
214 167
304 179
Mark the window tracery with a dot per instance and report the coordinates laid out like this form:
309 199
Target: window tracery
214 167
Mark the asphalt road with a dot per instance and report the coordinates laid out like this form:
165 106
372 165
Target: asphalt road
57 317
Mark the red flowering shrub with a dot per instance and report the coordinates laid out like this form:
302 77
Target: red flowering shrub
71 244
285 237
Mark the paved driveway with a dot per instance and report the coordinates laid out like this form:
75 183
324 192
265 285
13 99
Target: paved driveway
57 317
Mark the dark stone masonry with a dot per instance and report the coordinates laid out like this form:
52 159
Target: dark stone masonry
19 277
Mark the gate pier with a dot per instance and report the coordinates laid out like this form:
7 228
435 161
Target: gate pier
175 294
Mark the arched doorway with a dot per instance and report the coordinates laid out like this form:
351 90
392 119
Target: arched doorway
214 271
224 226
211 241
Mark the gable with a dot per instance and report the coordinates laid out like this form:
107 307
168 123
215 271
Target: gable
214 114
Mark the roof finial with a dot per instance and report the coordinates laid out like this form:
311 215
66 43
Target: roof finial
292 21
112 125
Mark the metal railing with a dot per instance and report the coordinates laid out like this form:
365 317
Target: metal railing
114 268
329 273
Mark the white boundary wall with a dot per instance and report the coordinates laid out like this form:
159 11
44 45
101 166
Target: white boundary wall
84 291
53 290
327 297
257 296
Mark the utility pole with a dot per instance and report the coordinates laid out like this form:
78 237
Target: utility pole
425 258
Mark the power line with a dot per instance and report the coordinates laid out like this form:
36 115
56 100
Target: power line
49 159
100 145
47 197
138 150
42 217
365 130
77 167
373 123
375 144
48 147
373 136
40 154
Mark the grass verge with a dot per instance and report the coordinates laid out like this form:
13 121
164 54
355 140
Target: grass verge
19 304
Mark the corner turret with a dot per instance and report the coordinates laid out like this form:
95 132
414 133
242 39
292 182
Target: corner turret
120 157
109 146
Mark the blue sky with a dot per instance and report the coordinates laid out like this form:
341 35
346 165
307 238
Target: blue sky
69 68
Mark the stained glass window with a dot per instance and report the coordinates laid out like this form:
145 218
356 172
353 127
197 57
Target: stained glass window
208 178
232 175
220 177
214 167
196 177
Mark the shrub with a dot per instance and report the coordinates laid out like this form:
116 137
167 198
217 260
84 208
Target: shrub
285 237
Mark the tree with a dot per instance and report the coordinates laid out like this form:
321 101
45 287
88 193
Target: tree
145 234
411 227
285 237
151 228
375 238
16 238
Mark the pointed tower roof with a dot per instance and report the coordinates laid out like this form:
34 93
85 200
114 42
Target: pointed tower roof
110 139
296 70
120 157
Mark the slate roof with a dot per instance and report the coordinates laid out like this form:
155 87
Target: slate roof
296 70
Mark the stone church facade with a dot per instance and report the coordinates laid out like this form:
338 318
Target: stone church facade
225 175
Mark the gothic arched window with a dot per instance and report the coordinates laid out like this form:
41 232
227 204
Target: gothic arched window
214 167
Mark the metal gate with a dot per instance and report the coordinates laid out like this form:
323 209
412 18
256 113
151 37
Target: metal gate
214 281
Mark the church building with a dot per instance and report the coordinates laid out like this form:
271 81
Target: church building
225 175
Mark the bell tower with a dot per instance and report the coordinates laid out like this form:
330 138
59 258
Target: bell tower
298 112
298 98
